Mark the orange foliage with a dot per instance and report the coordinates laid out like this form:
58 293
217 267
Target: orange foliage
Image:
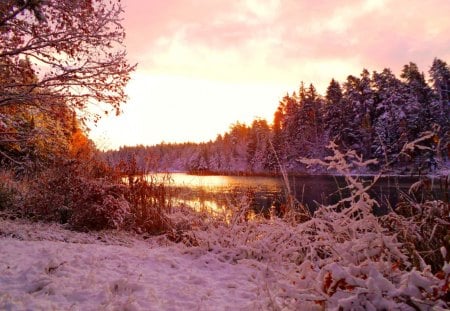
81 146
330 286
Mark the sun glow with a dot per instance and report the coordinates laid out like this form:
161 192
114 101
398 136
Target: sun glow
181 109
204 67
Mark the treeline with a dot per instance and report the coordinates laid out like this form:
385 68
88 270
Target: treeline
374 114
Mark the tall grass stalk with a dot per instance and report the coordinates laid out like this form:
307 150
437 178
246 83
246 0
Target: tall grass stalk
291 202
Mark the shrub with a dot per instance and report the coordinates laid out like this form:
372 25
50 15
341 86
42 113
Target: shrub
343 258
63 194
10 193
73 193
6 196
99 205
423 228
150 204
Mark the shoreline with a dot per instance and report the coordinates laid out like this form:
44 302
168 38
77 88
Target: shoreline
443 174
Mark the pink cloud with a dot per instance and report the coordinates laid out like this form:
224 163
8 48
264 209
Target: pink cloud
402 32
221 57
294 31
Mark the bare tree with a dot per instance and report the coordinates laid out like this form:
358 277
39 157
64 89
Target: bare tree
63 51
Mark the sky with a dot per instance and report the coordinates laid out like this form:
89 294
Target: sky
206 64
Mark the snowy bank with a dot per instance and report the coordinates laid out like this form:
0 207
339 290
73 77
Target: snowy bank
44 267
267 265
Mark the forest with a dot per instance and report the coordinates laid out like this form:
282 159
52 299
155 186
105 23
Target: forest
374 114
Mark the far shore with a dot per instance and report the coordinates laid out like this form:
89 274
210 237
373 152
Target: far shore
437 174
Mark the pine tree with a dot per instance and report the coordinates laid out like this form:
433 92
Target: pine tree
428 117
290 135
257 146
421 92
393 102
310 123
440 81
358 110
332 111
275 147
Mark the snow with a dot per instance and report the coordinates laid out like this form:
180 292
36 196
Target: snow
44 267
335 261
59 275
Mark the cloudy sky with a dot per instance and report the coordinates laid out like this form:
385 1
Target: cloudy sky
204 64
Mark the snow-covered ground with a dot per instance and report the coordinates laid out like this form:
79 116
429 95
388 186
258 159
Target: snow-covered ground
44 267
331 262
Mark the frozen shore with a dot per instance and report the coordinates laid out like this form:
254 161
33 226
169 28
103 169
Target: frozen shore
44 267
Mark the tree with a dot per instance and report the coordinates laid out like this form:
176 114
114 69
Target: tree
440 80
421 91
332 111
258 145
430 112
395 112
289 142
57 58
357 113
32 137
276 143
74 49
309 124
415 80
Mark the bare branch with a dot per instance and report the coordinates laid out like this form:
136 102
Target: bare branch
10 159
74 53
13 13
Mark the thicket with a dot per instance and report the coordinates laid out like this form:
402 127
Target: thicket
342 257
87 196
61 64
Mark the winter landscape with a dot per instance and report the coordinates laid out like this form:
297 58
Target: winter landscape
166 155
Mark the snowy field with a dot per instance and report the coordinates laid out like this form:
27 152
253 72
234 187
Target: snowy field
44 267
267 265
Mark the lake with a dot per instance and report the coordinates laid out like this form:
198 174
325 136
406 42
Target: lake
220 192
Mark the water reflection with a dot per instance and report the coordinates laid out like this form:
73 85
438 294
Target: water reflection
219 183
199 205
218 194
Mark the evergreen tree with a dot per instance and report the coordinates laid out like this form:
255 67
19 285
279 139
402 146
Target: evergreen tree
358 110
429 115
257 146
332 111
275 152
309 124
415 80
290 133
440 80
421 92
394 115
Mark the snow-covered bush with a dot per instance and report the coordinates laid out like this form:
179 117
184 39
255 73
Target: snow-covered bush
92 196
423 228
343 258
63 194
8 191
99 205
149 205
367 266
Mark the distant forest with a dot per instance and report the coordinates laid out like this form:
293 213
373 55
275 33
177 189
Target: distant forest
374 114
